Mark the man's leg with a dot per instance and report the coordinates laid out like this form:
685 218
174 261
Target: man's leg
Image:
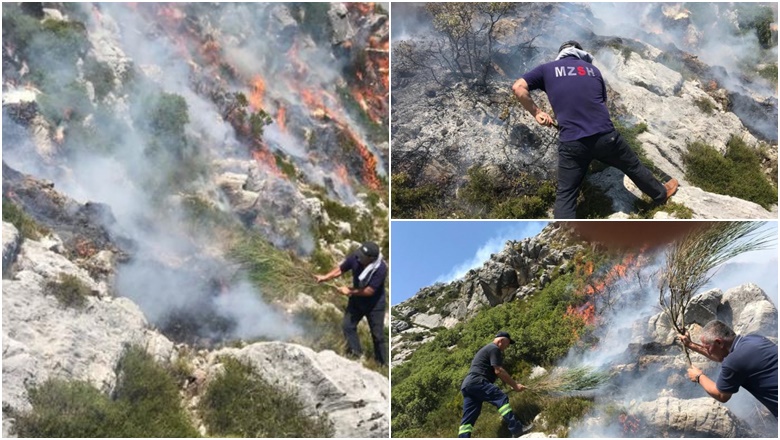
614 151
573 160
498 398
376 322
352 317
471 409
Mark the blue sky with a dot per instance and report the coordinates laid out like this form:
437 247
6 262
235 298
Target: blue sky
426 252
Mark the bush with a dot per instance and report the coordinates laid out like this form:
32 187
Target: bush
769 73
145 403
737 173
705 105
411 200
241 403
70 291
522 196
23 223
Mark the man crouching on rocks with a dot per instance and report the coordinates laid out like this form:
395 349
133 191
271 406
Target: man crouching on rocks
366 298
748 361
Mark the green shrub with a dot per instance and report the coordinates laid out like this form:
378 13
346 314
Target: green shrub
705 105
410 200
239 402
737 173
769 73
593 202
70 291
145 403
630 135
287 167
522 196
23 223
100 75
646 208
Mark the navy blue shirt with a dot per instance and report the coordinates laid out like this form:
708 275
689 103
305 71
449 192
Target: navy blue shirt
751 364
482 366
578 96
377 282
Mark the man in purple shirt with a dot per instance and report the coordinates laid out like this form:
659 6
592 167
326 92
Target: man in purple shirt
578 96
366 298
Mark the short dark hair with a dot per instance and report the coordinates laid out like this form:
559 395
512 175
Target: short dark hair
570 43
716 330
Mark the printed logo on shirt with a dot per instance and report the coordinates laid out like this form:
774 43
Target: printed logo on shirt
573 71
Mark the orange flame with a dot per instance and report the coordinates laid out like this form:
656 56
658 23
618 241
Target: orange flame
267 160
281 118
342 174
258 90
370 177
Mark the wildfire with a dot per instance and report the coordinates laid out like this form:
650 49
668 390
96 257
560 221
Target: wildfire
281 118
342 174
267 160
618 271
369 162
258 91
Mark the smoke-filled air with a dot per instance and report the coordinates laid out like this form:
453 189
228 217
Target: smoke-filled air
690 88
194 165
594 341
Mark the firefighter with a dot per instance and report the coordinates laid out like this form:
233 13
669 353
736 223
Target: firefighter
478 387
578 96
366 298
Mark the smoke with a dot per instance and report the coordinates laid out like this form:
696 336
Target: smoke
624 336
410 20
175 275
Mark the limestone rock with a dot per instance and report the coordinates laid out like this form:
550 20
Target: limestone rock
354 398
702 417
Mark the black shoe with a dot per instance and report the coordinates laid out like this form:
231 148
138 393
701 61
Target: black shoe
524 430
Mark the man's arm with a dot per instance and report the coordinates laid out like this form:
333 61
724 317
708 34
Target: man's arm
686 341
524 95
329 276
708 385
507 379
355 291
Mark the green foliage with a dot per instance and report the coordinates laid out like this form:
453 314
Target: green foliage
559 412
276 273
168 116
410 200
758 18
285 166
239 402
705 105
313 18
361 224
425 397
737 173
769 72
630 135
100 75
257 122
647 208
204 215
145 404
70 291
23 222
521 196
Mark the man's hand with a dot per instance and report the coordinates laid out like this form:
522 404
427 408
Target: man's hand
685 339
543 118
344 290
519 387
693 373
321 278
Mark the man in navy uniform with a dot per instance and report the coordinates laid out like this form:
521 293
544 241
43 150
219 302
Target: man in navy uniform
748 361
578 96
366 298
478 387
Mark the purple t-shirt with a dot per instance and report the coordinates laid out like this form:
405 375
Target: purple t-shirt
578 96
377 281
751 364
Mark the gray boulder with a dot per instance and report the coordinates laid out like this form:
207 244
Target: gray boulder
11 241
702 417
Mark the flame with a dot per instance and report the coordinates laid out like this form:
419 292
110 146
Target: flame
370 177
281 118
342 174
267 160
258 90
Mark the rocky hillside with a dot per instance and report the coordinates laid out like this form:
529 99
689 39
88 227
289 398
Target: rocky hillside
519 270
667 92
173 177
571 305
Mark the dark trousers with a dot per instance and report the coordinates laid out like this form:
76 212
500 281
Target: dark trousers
473 396
574 157
376 323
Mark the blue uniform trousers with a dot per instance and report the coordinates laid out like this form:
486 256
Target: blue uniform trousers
483 391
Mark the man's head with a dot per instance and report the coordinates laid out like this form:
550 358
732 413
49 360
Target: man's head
503 340
717 337
368 252
570 43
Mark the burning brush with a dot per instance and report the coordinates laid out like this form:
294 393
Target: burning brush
566 380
